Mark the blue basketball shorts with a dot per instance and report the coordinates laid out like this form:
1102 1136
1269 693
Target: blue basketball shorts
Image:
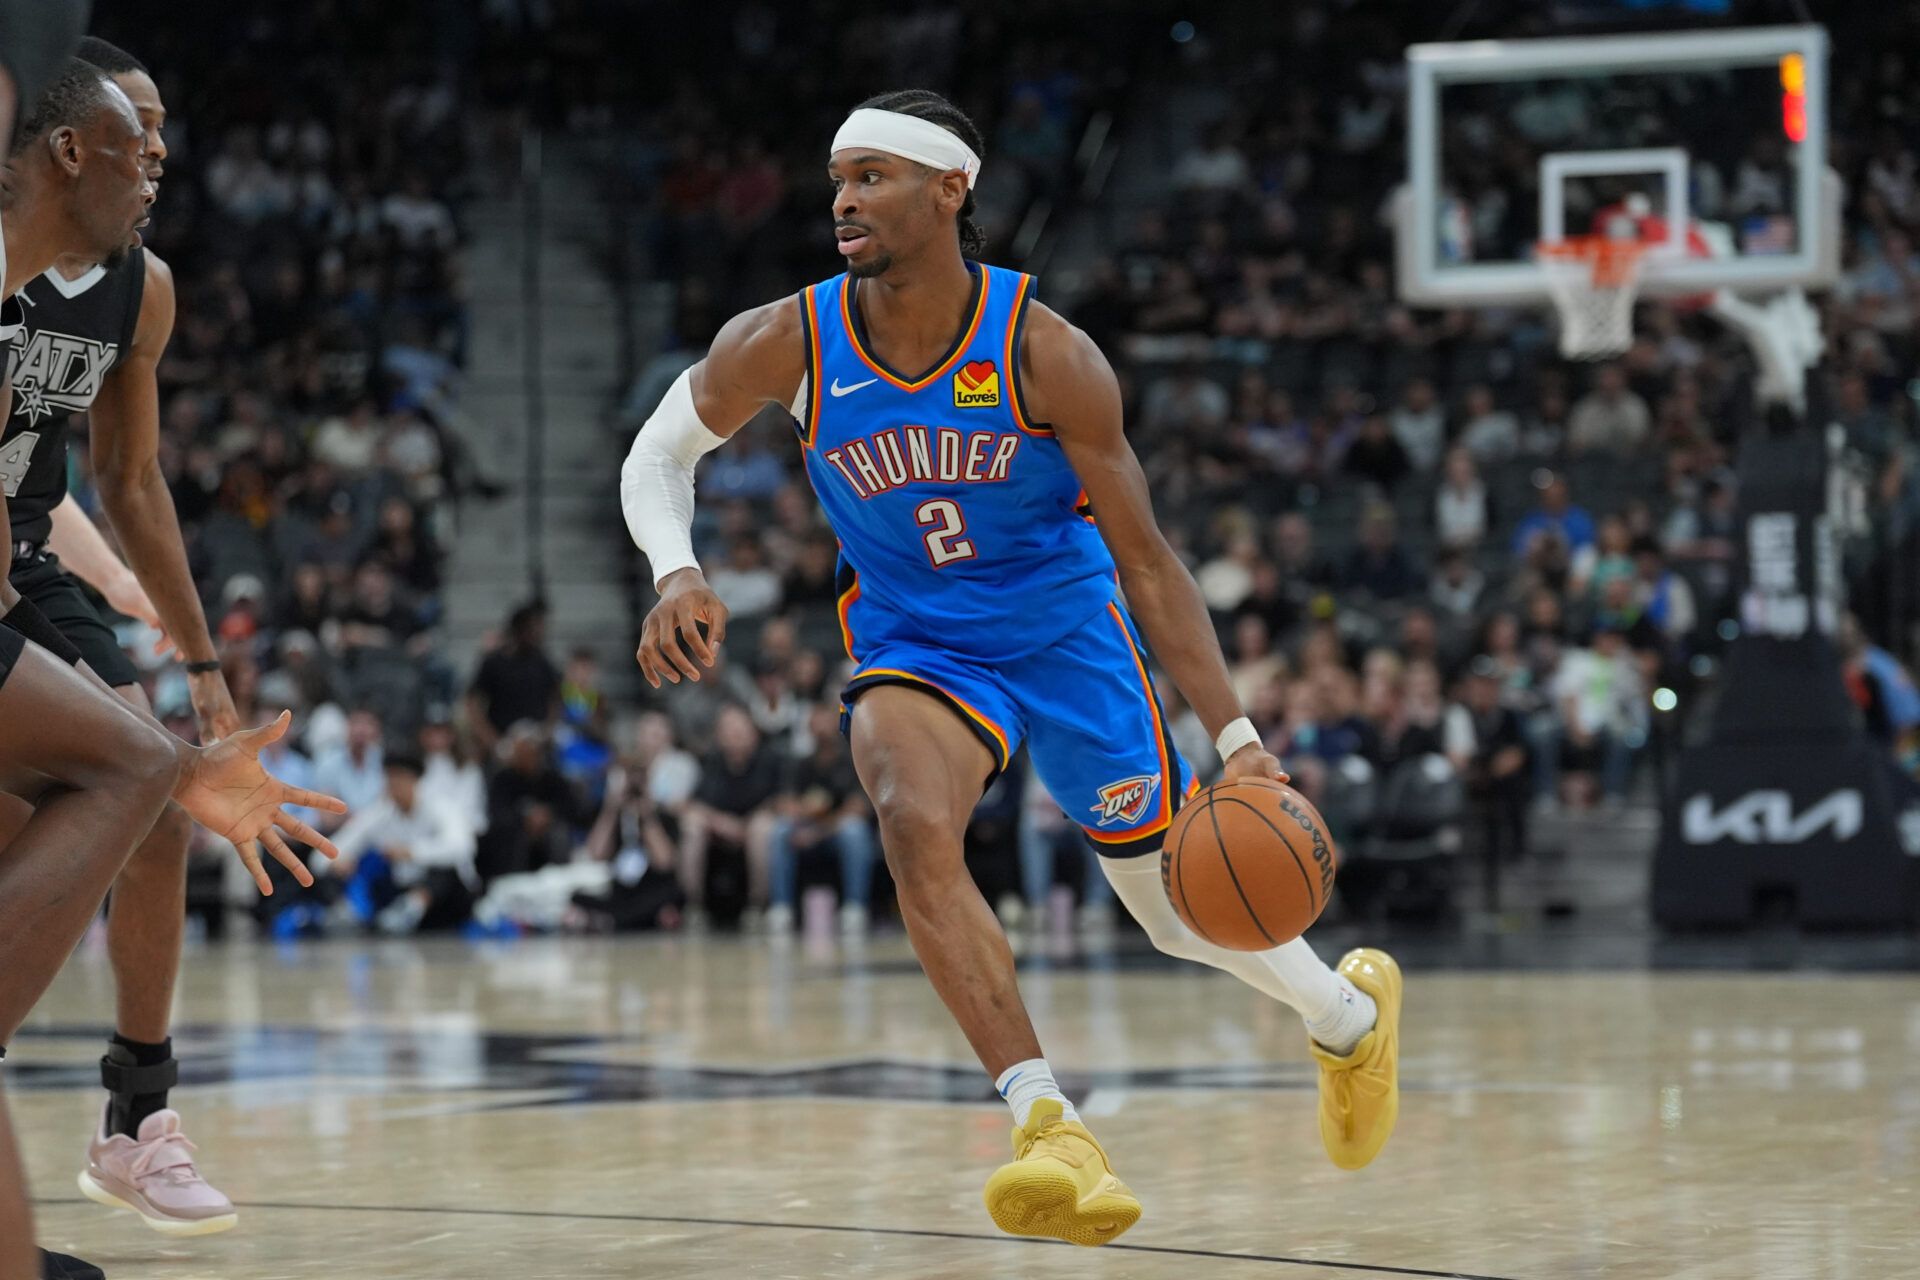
1085 707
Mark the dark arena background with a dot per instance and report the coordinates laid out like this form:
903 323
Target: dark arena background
1598 666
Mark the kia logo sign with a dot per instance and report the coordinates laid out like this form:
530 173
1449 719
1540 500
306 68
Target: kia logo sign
1768 817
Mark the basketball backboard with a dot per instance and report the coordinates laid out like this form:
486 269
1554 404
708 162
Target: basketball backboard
1709 146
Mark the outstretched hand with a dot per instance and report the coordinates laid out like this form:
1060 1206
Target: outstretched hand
227 791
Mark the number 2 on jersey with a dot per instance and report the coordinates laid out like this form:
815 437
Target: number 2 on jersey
944 524
16 456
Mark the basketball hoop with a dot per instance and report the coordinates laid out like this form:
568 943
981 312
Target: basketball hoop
1593 280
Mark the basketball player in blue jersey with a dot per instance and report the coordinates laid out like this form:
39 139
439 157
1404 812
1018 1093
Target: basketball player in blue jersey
998 545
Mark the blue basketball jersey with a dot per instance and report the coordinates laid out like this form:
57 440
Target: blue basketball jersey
961 523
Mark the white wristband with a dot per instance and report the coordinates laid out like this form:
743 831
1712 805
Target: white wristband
1240 733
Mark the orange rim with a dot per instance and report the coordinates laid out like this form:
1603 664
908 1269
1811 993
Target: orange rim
1611 262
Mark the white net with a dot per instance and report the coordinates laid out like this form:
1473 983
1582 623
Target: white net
1593 280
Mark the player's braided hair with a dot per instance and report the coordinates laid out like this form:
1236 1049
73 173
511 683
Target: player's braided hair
110 58
928 105
77 92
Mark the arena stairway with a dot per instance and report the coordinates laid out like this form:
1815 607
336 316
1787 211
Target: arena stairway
581 548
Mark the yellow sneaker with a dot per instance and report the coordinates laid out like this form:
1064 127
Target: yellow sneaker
1059 1184
1360 1092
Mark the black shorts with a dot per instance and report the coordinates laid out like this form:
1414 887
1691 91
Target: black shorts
59 595
11 645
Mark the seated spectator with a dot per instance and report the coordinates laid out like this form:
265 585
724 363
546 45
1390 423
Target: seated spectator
1663 595
778 713
515 682
1420 425
1377 456
807 673
1488 746
1708 529
348 442
1282 437
450 769
1503 645
1302 568
1215 166
417 218
308 604
809 583
376 615
1316 733
1456 588
1545 432
1227 579
1419 638
1462 511
822 807
745 583
353 771
406 860
410 448
1426 702
1270 600
531 807
335 543
671 774
1379 566
1609 557
1188 401
733 807
1609 419
406 551
1557 516
633 834
1252 659
1491 434
583 706
1601 703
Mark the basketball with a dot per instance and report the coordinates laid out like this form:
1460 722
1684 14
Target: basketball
1248 865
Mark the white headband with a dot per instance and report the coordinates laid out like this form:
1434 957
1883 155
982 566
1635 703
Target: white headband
908 137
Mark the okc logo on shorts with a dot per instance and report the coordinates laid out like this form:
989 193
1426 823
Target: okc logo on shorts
1126 801
977 386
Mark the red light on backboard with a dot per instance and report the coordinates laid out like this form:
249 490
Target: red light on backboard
1793 117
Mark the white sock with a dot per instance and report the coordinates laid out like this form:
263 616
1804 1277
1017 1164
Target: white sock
1025 1083
1337 1013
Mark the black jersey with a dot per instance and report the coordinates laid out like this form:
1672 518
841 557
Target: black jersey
74 331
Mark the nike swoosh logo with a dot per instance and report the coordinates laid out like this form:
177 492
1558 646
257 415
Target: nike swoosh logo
837 390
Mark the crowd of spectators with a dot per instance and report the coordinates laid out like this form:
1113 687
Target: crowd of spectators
319 158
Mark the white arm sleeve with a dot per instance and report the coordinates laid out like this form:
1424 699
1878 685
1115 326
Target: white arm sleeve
656 481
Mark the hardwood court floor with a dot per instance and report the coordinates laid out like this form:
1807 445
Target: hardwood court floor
723 1108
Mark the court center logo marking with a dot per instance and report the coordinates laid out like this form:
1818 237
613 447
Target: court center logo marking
976 386
1126 801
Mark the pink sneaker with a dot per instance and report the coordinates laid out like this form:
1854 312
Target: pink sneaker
155 1178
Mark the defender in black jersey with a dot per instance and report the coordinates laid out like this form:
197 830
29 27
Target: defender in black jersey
94 333
95 771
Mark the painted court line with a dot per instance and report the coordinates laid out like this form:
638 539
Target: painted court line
1364 1268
